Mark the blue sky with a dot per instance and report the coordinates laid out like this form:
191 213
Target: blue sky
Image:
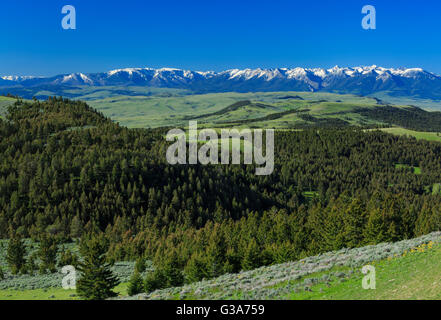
216 35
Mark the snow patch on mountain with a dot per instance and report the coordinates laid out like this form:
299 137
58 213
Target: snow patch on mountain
360 80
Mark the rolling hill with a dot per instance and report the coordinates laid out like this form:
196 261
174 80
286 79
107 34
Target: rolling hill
280 110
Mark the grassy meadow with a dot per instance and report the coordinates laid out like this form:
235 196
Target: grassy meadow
430 136
177 108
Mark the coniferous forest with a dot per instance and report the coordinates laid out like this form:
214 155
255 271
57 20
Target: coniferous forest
67 172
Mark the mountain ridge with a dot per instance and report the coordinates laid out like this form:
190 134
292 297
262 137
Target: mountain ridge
363 80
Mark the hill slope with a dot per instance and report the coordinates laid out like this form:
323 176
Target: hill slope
407 269
282 110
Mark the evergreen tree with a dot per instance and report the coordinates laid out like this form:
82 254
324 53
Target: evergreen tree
47 253
196 268
172 271
140 265
155 280
136 284
251 259
67 258
15 255
354 220
97 280
31 266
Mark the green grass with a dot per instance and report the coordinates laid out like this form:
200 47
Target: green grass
411 276
416 170
430 136
427 104
175 108
50 294
310 194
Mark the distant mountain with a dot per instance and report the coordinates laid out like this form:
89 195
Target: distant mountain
413 82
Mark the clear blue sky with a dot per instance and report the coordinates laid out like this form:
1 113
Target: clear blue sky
216 35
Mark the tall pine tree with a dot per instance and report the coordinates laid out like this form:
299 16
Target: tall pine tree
97 281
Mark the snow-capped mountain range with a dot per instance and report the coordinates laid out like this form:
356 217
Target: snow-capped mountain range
359 80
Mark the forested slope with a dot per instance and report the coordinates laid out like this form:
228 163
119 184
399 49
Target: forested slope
68 171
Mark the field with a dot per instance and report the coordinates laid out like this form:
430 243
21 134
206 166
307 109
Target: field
430 136
176 109
427 104
278 110
148 107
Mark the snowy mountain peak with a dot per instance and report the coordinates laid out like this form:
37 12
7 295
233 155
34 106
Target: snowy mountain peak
360 80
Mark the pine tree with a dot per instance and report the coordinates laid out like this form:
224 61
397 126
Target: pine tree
31 266
251 259
154 281
140 265
97 280
196 269
47 253
15 255
136 284
172 271
76 228
354 220
67 258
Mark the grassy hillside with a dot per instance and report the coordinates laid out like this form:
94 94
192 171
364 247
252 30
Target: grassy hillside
426 104
280 110
430 136
147 107
404 270
157 111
